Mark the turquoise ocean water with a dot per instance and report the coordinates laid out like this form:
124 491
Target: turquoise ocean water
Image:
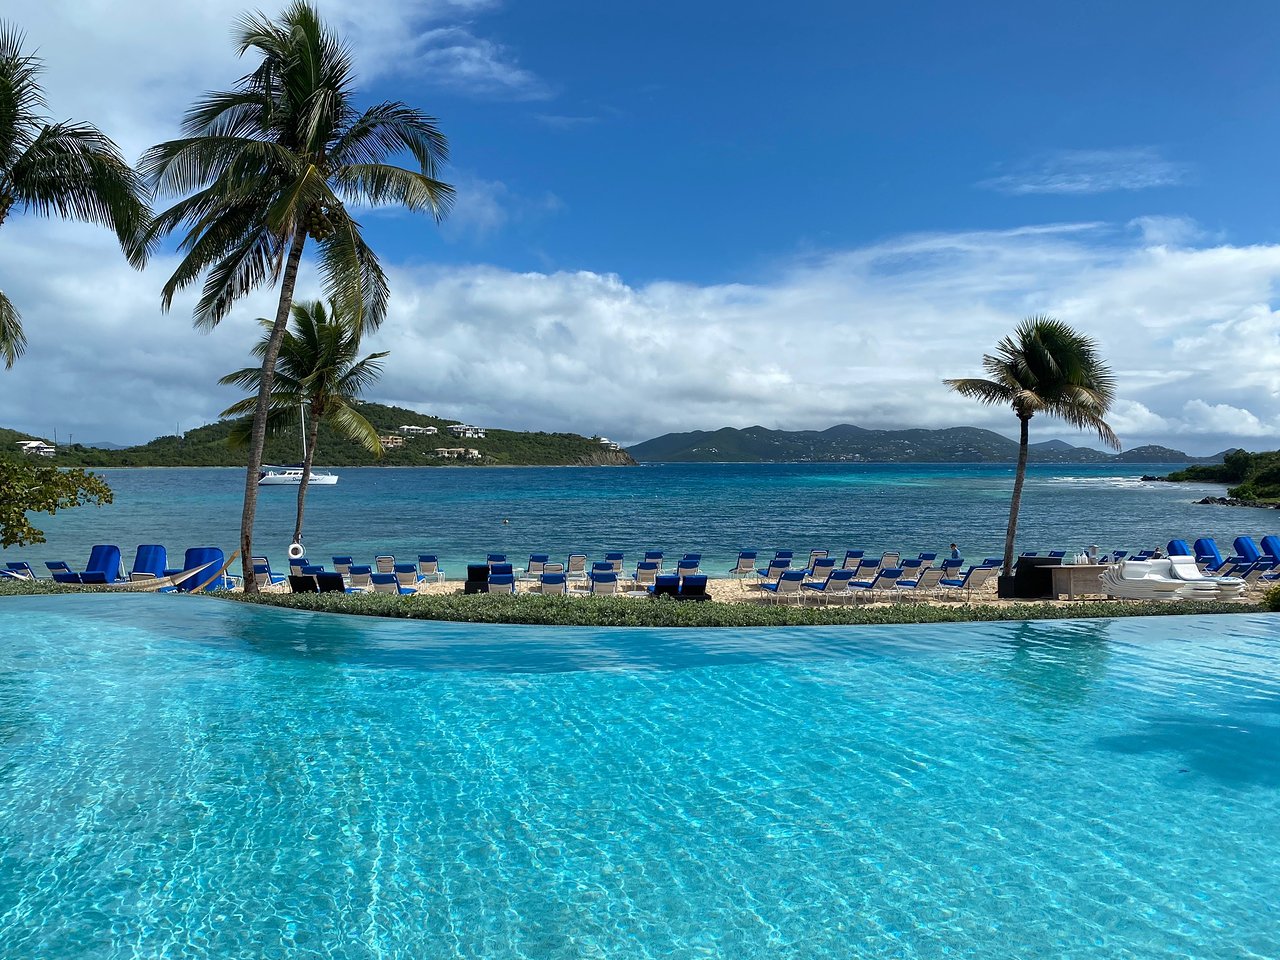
716 509
189 778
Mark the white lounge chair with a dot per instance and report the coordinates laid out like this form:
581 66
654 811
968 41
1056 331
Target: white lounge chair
1154 580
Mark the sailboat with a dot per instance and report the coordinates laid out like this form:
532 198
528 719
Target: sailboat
291 475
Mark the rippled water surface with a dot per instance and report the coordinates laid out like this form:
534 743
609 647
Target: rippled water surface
715 509
182 777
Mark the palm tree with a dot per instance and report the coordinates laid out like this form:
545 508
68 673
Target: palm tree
317 369
67 169
273 161
1045 367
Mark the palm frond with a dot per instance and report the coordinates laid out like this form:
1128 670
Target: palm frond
387 128
380 184
13 342
353 278
984 391
346 422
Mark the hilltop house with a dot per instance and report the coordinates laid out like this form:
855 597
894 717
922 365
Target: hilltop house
457 453
391 441
609 444
466 431
412 431
37 448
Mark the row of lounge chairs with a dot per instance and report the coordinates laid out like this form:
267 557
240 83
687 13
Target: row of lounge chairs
105 566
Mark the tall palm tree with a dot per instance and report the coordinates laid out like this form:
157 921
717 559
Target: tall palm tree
1045 367
273 161
66 169
317 369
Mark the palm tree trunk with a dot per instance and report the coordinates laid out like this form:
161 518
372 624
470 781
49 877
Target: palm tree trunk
258 438
313 431
1019 477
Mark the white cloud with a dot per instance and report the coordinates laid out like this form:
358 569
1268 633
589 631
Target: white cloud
1090 171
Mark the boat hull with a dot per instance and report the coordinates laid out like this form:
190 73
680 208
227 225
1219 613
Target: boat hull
292 478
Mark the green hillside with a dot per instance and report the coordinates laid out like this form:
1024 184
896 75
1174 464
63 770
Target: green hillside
207 447
849 443
1253 476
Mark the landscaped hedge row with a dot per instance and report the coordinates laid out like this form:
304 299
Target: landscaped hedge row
628 612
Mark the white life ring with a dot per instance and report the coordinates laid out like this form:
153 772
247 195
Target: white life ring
296 552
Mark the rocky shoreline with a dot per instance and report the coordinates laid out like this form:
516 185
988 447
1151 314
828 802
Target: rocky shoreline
1238 502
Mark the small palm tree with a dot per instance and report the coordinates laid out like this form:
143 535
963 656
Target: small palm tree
274 161
1045 367
67 169
316 369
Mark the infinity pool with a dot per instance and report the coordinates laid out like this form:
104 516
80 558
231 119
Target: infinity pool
182 777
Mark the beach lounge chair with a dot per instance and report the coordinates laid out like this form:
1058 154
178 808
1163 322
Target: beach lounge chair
615 558
262 575
330 583
1058 553
1152 580
973 579
576 566
602 566
814 557
1247 550
387 583
834 587
150 560
534 569
852 559
1184 568
666 585
926 582
553 584
297 563
786 588
603 583
429 567
787 555
1271 547
477 578
493 558
206 580
300 584
95 576
407 576
553 567
928 558
1208 555
360 578
686 568
105 558
21 569
1179 548
746 564
775 570
883 584
312 569
57 566
693 588
821 568
890 558
501 582
384 564
646 575
501 569
654 556
66 576
951 568
272 576
342 565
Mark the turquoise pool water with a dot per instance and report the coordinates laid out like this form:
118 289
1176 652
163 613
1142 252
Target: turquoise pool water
190 778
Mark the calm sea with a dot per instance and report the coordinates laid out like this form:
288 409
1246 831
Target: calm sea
716 509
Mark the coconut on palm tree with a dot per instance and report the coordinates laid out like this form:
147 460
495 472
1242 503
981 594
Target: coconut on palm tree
317 370
275 161
71 170
1045 367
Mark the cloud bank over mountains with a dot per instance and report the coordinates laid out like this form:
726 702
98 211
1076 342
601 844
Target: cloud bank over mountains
862 335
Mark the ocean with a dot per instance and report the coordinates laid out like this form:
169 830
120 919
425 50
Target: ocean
714 509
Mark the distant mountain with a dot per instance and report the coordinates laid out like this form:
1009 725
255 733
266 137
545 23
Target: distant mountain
105 445
849 443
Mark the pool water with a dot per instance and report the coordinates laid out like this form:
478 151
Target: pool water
182 777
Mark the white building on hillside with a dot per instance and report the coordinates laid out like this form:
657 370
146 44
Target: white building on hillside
37 448
466 431
609 444
413 431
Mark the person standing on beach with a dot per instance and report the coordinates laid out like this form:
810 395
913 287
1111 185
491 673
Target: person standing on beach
955 552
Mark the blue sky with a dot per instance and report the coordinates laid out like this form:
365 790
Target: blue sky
679 216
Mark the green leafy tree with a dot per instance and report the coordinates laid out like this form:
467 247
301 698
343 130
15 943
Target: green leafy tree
276 160
316 369
70 170
1045 367
27 487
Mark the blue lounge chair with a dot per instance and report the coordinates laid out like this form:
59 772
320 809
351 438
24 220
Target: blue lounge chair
104 558
786 588
501 569
297 563
56 567
1179 548
407 577
553 584
534 568
1270 546
493 558
604 583
852 559
666 585
973 578
777 566
265 576
834 587
654 556
575 567
1208 555
694 588
429 567
342 565
21 569
928 558
615 559
501 582
384 564
150 560
1058 553
885 580
646 574
745 565
814 557
360 578
822 568
66 576
216 559
787 555
927 580
951 568
387 583
1247 550
686 568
